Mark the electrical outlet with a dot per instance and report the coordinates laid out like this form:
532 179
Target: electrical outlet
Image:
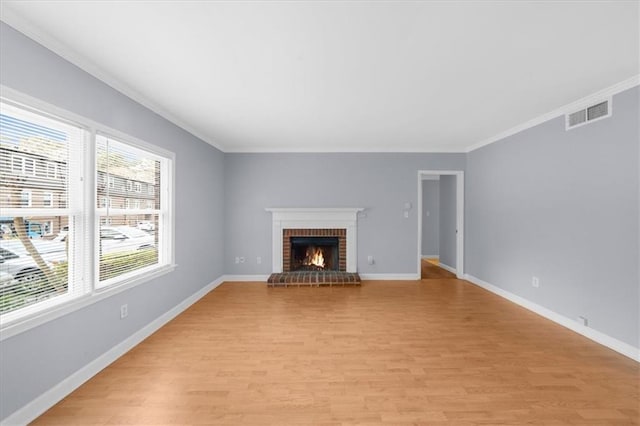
258 260
535 282
370 260
406 214
124 311
584 321
237 259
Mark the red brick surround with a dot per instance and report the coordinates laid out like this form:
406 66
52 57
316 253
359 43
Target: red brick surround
341 233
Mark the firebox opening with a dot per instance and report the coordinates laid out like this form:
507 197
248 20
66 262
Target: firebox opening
314 254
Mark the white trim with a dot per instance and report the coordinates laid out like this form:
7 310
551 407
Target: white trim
566 109
48 399
245 278
447 268
389 277
597 336
459 216
89 67
314 218
430 256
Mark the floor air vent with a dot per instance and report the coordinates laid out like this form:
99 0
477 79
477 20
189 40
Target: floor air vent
587 115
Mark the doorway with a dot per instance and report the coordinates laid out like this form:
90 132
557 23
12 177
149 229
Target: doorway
455 233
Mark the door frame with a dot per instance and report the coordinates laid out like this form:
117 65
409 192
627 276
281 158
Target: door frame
459 216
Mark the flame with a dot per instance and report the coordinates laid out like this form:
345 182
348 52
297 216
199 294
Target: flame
314 257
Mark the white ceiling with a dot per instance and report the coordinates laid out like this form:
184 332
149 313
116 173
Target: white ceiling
343 76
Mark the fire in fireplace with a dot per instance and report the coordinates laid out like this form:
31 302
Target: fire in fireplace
314 254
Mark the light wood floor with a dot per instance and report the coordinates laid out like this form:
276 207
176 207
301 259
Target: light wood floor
430 270
433 352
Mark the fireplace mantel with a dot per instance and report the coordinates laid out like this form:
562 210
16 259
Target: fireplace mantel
315 218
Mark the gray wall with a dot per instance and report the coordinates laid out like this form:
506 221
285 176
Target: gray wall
562 206
382 183
430 217
34 361
448 220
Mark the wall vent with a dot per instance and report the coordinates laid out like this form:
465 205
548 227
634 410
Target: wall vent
588 114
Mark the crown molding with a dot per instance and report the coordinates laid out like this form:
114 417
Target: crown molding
51 43
568 108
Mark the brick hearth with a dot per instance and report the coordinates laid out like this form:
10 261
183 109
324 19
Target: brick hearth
313 278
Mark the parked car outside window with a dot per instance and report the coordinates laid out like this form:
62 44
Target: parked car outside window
146 226
124 238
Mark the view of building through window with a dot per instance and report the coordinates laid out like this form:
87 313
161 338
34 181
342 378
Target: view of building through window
129 219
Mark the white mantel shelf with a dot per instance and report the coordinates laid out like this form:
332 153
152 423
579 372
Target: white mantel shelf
315 218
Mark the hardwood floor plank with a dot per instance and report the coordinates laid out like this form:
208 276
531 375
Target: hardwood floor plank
434 352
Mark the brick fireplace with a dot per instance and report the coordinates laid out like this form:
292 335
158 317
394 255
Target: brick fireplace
323 223
336 257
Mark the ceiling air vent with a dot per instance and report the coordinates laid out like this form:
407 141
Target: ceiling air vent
588 114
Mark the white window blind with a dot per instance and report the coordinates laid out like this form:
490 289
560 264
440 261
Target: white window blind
33 270
125 247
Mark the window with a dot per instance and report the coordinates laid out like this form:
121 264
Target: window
150 189
51 170
47 199
17 164
93 249
29 167
129 186
25 198
132 251
23 165
44 273
149 204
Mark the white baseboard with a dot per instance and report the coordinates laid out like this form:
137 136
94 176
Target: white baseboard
35 408
597 336
240 278
430 256
447 268
389 277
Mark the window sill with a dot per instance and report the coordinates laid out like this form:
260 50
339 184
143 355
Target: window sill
65 307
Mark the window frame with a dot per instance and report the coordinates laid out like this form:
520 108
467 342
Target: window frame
29 198
47 196
17 159
51 170
29 170
48 310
